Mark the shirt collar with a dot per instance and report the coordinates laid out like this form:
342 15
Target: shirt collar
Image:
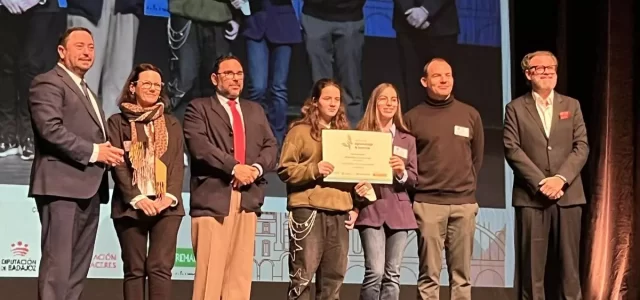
73 76
224 100
539 98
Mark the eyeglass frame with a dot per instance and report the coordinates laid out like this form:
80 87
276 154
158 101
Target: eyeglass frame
150 84
232 75
534 69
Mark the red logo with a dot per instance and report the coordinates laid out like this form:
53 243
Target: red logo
19 249
565 115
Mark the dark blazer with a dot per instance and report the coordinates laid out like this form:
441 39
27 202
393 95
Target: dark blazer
274 20
119 131
393 206
129 7
209 138
65 128
443 16
533 156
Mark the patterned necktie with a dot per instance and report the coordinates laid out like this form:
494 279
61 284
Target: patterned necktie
238 133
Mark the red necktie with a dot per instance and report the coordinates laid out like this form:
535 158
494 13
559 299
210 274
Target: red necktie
238 133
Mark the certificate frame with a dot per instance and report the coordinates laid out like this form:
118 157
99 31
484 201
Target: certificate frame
358 155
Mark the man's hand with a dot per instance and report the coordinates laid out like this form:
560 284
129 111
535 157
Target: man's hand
244 175
351 222
162 203
397 165
552 187
232 33
325 168
12 6
110 155
362 188
148 207
416 16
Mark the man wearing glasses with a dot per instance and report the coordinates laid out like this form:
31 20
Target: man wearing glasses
545 142
231 147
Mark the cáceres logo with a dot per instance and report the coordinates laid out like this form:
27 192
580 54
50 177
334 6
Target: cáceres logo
19 262
185 258
104 261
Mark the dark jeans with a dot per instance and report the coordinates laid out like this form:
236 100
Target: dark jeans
383 251
194 47
318 244
162 234
268 71
415 51
28 48
69 229
337 44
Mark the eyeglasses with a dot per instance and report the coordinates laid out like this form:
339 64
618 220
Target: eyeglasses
231 75
149 84
539 70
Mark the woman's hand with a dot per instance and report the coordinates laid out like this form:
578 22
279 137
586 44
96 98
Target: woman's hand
362 188
162 203
147 206
325 168
397 165
351 222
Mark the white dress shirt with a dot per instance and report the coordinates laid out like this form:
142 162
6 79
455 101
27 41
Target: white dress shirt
224 101
545 110
544 106
94 104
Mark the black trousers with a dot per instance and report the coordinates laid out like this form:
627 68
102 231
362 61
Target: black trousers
416 49
195 46
318 245
548 252
28 48
162 234
69 228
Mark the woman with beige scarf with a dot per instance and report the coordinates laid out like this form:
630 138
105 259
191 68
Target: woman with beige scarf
147 202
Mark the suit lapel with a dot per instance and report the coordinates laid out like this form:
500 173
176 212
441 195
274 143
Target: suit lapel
247 116
530 103
83 99
217 108
559 105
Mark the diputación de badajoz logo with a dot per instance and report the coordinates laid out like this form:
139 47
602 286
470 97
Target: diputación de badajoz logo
19 260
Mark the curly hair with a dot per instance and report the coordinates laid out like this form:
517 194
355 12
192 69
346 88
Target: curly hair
311 114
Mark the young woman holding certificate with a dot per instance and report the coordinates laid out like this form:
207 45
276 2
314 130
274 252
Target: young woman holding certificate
320 213
385 223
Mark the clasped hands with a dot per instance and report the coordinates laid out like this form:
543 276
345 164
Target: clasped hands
16 7
551 187
244 175
110 155
151 207
417 17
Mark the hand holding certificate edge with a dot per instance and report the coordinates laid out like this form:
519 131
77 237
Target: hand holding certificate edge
325 168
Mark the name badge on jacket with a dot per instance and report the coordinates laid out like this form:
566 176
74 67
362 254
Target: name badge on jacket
461 131
401 152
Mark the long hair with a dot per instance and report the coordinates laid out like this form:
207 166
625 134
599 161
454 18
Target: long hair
127 97
370 120
311 115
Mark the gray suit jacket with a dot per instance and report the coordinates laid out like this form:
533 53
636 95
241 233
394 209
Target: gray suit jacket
533 156
65 128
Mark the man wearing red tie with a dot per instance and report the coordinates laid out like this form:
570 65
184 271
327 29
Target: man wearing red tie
231 147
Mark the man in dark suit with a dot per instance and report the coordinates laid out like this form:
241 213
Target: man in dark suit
425 29
27 49
68 175
231 147
271 31
545 143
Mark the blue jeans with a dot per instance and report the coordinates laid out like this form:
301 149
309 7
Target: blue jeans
268 71
383 251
